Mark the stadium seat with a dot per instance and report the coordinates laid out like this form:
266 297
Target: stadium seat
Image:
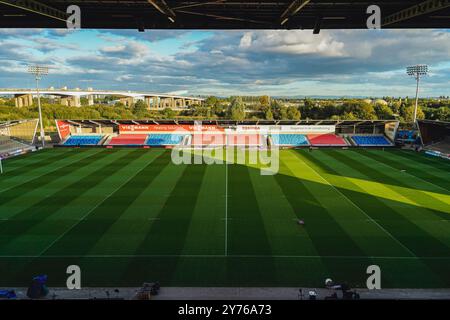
164 139
407 135
371 140
217 139
82 140
326 140
289 140
244 139
128 139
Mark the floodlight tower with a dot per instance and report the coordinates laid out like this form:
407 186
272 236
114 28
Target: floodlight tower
417 72
38 72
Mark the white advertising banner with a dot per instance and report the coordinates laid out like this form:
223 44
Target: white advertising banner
319 129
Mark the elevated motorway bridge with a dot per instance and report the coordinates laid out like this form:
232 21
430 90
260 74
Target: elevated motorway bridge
154 101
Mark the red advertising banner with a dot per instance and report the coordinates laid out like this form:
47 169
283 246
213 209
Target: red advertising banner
63 128
142 128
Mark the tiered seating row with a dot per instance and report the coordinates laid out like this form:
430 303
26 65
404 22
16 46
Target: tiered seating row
289 140
326 140
82 140
371 140
218 139
156 139
128 139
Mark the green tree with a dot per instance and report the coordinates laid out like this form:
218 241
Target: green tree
407 113
293 113
168 113
237 109
269 114
139 108
383 112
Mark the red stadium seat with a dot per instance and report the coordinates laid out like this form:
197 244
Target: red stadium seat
128 139
244 139
326 140
217 139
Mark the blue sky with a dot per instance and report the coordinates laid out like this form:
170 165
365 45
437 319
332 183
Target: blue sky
278 63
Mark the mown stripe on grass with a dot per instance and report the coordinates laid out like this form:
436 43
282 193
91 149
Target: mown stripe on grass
385 213
418 177
167 234
11 191
84 234
135 222
327 235
435 178
22 222
208 217
424 206
389 214
434 162
246 230
280 219
45 192
372 238
30 159
50 159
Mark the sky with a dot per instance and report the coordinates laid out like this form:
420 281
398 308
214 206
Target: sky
362 63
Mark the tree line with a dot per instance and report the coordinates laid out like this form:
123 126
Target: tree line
240 108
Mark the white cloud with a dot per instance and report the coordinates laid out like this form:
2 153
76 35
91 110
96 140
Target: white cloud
295 42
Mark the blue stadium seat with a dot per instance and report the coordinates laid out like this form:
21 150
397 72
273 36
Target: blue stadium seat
371 141
82 140
164 139
407 135
289 140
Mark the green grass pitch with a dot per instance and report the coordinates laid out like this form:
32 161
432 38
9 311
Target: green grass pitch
126 216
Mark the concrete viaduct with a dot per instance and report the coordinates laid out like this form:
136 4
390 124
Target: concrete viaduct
68 97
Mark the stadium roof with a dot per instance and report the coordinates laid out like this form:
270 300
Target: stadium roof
445 124
233 122
224 14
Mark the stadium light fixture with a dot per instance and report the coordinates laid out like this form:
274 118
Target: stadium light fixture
417 72
38 72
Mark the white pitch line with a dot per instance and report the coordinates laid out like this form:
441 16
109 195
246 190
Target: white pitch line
361 210
90 211
249 256
226 205
404 171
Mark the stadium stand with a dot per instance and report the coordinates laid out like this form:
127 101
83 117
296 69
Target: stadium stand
164 139
406 135
128 139
82 140
217 139
243 140
9 146
326 140
289 140
367 141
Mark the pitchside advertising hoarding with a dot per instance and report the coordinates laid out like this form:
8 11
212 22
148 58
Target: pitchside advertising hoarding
256 129
149 128
63 128
302 129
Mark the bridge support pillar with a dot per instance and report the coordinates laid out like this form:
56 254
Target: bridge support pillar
64 101
71 101
127 101
23 100
90 100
